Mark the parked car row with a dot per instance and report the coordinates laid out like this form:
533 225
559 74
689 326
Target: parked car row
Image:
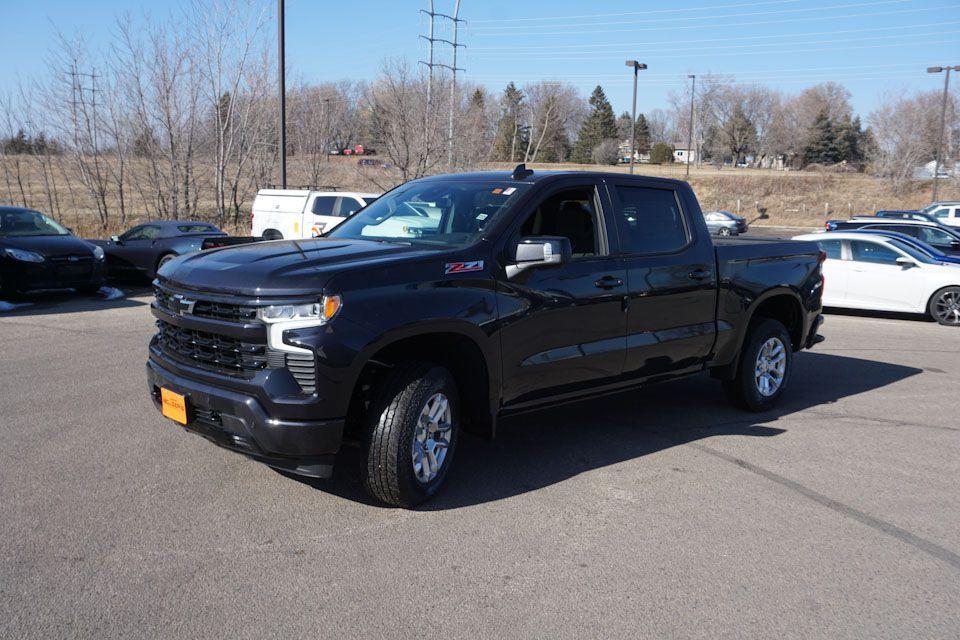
901 261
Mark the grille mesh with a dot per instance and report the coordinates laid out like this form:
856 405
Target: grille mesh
211 351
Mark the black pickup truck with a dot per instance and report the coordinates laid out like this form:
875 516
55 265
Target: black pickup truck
454 300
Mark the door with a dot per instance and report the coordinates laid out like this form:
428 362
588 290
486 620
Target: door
323 216
671 279
835 273
135 249
563 327
877 282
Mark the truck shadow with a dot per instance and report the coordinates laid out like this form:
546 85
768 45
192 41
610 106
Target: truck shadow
542 448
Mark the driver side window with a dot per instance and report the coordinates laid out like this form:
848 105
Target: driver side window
570 213
145 232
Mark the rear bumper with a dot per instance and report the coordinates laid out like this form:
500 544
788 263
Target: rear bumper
239 422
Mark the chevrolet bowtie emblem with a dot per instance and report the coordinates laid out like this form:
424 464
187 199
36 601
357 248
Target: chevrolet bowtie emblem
183 305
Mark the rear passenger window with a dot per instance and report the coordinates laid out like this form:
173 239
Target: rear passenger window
650 220
348 207
323 205
831 248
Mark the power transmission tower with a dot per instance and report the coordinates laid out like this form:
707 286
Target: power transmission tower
430 63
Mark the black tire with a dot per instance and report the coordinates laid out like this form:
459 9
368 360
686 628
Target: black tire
724 232
272 234
389 473
164 259
89 290
939 308
743 391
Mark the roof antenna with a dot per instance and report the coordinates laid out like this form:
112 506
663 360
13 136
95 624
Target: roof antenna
520 172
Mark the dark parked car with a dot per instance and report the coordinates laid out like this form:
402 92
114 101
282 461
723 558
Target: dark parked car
907 215
453 300
724 223
145 248
926 249
36 252
941 237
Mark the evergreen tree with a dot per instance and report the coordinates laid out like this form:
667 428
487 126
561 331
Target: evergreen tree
849 137
661 153
643 134
822 146
511 137
623 126
599 125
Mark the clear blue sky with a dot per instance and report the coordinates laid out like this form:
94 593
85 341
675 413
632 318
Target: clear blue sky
873 47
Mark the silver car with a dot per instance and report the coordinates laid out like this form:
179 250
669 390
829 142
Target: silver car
724 223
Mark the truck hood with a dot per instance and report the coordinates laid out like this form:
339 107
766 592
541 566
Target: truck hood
282 267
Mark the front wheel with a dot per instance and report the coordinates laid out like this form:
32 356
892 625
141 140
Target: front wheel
944 306
411 435
724 231
765 366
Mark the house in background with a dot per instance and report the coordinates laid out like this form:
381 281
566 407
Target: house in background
624 154
683 155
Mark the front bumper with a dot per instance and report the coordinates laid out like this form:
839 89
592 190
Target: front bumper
22 277
238 422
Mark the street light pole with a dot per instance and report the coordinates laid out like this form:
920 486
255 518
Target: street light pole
283 96
637 66
693 92
943 121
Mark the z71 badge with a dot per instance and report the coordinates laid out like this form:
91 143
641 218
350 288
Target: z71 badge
463 267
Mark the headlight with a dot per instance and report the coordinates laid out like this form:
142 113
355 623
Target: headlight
23 255
282 317
97 253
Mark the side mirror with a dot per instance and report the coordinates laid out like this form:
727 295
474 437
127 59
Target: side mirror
906 262
540 251
115 239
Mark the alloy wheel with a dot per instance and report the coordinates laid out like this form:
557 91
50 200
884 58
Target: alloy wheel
431 438
947 307
770 367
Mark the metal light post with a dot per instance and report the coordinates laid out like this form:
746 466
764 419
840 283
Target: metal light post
943 121
637 67
283 97
693 93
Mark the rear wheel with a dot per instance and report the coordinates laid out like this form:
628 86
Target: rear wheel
765 366
272 234
944 306
724 231
164 260
411 435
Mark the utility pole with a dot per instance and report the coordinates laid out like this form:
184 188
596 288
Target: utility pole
281 63
637 67
943 121
430 63
693 93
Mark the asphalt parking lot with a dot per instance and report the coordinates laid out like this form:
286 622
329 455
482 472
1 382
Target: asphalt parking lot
657 513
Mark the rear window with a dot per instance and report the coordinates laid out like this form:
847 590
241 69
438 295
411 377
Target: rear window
831 248
650 220
197 228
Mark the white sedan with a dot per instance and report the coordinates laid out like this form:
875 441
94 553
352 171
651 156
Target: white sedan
884 274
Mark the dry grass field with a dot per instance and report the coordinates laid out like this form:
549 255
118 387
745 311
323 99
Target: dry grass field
791 198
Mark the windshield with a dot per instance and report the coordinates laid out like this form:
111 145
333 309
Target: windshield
433 212
912 251
23 222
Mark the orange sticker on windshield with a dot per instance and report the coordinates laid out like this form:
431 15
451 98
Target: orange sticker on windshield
497 191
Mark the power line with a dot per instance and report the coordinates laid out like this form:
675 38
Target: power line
905 28
751 47
852 5
725 25
637 13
